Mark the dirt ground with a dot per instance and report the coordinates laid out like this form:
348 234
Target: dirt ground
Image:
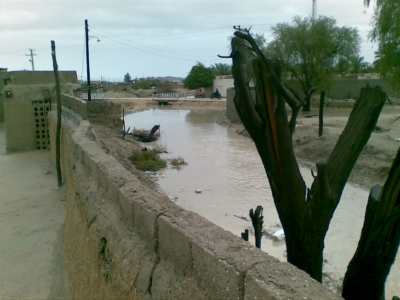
111 142
374 162
31 228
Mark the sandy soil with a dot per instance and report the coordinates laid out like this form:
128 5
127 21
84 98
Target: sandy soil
31 228
374 162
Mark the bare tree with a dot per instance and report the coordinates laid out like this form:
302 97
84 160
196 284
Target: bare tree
305 213
380 237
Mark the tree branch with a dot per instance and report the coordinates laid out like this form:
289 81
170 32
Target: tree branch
361 123
380 237
287 95
273 138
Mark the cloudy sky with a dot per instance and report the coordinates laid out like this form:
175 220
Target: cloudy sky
149 37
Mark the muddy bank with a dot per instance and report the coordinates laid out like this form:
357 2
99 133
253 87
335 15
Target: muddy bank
375 160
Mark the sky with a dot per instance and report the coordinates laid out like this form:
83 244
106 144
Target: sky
150 37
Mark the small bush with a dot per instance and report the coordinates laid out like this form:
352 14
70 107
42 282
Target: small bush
148 160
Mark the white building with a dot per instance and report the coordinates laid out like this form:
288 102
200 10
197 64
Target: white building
222 83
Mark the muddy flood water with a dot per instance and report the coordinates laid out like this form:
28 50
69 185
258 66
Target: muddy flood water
226 171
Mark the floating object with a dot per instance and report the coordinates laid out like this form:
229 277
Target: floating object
279 234
198 191
147 136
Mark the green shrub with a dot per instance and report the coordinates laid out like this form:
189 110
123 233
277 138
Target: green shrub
148 160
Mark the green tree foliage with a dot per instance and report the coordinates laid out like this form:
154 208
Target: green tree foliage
387 33
310 51
358 66
127 78
199 76
260 40
221 69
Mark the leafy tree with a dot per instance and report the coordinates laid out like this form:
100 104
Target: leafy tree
127 78
310 51
387 33
199 76
221 69
260 40
359 66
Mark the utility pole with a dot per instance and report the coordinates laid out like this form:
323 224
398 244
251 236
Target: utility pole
314 10
58 128
89 98
31 54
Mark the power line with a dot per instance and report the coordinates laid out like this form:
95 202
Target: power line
147 51
31 54
173 35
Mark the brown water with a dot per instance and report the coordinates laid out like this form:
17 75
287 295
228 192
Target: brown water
227 170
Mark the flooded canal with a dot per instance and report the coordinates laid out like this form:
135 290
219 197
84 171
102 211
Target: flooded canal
226 171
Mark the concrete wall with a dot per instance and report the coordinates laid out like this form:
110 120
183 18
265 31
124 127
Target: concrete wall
98 111
123 240
41 77
3 79
22 129
340 88
349 88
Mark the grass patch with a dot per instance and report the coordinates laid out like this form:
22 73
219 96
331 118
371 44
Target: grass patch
148 160
160 149
178 162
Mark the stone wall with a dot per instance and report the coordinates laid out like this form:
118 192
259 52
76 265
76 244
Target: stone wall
123 240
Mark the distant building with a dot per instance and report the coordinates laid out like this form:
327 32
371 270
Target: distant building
223 83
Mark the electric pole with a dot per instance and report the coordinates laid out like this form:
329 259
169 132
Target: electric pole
89 98
31 54
314 10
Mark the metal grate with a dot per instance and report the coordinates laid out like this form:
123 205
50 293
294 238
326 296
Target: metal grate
40 110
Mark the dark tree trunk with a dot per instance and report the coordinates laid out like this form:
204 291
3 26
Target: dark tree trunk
307 101
257 219
306 254
305 213
321 114
380 237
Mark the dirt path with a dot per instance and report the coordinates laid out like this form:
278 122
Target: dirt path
31 228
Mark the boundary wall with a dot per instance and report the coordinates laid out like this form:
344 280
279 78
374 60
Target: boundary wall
123 240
